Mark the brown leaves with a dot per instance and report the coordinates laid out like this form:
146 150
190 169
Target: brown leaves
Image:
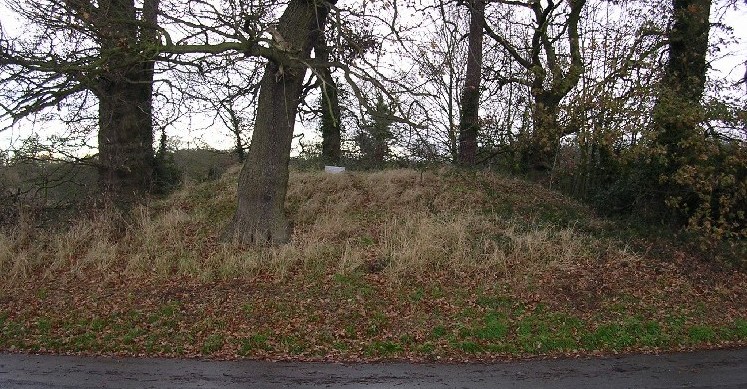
398 266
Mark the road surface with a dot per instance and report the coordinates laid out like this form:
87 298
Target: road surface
707 369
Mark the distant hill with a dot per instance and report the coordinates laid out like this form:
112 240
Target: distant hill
203 164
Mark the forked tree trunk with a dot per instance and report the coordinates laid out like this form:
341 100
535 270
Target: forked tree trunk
541 146
260 216
469 123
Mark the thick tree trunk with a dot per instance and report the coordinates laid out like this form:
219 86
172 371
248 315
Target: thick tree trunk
260 216
469 124
126 155
678 111
329 106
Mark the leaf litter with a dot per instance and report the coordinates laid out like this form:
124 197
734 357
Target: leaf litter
503 278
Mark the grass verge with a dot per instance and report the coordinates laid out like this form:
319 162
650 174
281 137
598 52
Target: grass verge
384 265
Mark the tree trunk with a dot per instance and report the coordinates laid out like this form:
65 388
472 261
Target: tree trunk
260 216
539 150
538 153
125 139
126 155
469 124
678 111
330 107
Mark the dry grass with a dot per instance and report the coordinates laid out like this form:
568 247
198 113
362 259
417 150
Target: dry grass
388 264
400 222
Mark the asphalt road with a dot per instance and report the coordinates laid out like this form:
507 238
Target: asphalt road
709 369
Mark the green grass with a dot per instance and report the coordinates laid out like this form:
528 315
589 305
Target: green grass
438 332
212 344
44 325
352 285
701 334
383 349
620 336
254 343
293 345
495 328
504 328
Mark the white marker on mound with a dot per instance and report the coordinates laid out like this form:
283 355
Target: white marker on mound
334 169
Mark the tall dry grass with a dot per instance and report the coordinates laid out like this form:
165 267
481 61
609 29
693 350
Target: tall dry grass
402 223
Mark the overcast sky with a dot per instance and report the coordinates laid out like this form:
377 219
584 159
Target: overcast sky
729 63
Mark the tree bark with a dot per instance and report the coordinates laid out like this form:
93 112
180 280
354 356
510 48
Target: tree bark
125 137
469 123
678 111
260 215
126 156
331 127
542 145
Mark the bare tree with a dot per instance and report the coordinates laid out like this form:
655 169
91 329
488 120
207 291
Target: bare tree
106 48
550 75
439 76
469 123
260 216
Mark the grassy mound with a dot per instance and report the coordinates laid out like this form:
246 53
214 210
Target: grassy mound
392 264
399 222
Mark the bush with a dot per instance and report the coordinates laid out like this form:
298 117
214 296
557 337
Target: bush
713 193
166 174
